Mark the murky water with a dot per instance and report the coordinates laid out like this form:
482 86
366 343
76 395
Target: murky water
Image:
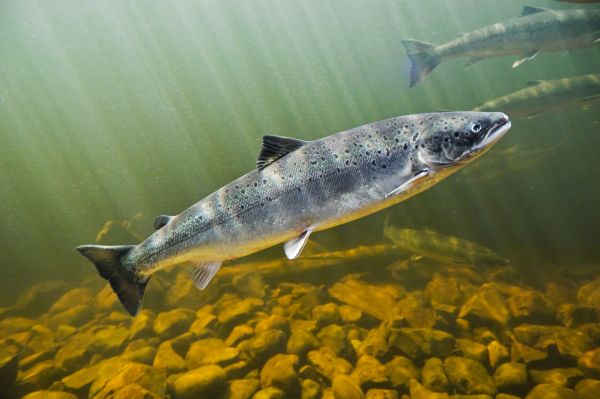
112 113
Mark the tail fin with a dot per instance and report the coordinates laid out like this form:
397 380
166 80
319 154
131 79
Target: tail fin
422 57
108 260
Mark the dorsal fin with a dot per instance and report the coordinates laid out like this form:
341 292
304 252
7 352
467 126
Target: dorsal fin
161 221
528 10
275 147
534 82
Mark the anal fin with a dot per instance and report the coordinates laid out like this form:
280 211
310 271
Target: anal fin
294 246
202 273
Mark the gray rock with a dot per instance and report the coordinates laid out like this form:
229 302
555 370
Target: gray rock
566 377
334 338
75 316
168 359
40 376
381 394
140 351
530 305
142 325
267 344
485 306
326 314
327 364
551 391
210 351
511 377
9 360
273 322
370 373
72 298
374 344
14 325
269 393
301 342
570 343
49 395
468 376
506 396
172 323
310 390
206 381
109 341
418 342
80 381
280 371
235 311
418 391
377 301
497 354
472 350
590 362
128 380
242 389
433 375
588 389
589 294
350 314
344 387
238 334
400 371
238 369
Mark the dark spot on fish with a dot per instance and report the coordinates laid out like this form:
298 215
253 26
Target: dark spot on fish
373 163
405 146
335 156
347 162
255 184
347 151
384 166
456 134
264 181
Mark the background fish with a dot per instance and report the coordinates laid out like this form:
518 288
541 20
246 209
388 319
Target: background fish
537 30
300 187
443 248
548 95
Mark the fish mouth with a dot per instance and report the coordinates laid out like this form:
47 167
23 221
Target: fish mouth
494 134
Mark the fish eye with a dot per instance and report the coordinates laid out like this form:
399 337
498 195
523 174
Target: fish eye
476 127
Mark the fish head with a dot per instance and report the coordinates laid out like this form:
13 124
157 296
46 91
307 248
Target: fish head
455 138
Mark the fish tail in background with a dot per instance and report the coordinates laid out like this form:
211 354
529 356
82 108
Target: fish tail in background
422 57
108 260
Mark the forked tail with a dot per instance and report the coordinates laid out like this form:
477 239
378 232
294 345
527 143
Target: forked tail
108 260
422 57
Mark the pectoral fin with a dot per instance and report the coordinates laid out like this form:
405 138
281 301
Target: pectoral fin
202 273
525 57
407 184
293 247
472 61
589 99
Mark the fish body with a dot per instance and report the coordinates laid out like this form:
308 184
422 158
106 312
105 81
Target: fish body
442 248
537 30
298 188
548 95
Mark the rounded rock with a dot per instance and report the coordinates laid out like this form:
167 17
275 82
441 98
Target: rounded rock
201 382
344 387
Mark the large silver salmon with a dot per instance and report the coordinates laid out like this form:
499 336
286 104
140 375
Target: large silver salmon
537 30
300 187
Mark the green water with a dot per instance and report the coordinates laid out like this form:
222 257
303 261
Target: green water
110 109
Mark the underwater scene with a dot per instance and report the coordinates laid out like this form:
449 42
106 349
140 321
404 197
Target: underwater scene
266 199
